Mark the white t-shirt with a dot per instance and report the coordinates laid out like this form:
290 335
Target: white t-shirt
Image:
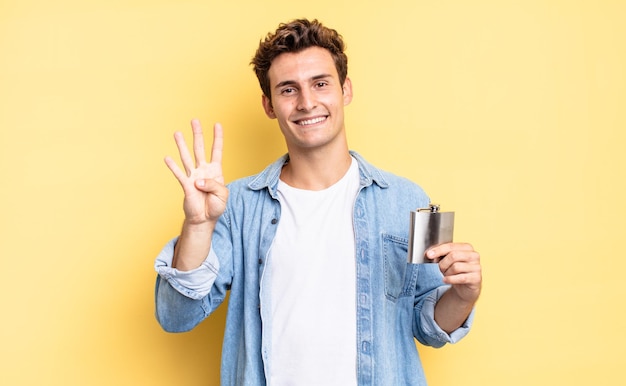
312 271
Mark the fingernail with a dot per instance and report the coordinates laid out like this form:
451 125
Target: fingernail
200 183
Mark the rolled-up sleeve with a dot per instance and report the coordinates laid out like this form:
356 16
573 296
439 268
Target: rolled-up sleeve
434 335
194 284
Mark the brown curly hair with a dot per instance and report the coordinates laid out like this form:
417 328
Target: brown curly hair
296 36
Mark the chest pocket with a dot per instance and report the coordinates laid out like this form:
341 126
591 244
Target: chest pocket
400 276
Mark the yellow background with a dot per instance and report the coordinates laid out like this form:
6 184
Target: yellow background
511 113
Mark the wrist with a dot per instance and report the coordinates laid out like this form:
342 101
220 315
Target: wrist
194 226
464 296
193 245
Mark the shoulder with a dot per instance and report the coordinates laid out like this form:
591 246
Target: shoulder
241 187
398 180
399 186
267 178
385 186
384 179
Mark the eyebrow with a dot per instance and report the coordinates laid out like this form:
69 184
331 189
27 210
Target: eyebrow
291 82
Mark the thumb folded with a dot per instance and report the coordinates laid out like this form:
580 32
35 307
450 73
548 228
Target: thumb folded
207 185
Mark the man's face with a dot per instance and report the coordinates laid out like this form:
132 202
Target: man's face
307 99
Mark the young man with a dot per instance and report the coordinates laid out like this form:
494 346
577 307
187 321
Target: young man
314 248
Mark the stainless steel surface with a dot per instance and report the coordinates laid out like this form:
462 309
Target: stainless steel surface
428 227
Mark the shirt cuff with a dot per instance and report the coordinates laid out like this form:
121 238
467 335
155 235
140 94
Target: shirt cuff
432 329
194 284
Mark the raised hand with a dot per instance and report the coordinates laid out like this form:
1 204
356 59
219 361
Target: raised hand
202 181
205 196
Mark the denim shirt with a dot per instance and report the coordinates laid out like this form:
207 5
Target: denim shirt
395 299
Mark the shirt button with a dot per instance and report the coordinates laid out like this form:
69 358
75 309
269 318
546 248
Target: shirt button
274 221
260 261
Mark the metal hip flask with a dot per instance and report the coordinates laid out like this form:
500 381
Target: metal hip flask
429 227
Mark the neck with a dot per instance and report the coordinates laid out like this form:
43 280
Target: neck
315 170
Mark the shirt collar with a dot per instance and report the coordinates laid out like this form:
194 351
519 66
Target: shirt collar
269 177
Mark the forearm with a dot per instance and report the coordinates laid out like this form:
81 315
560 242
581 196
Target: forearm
451 311
193 245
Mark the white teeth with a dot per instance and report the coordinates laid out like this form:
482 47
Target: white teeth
311 121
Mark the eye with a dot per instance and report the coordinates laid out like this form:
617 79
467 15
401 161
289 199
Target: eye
321 84
288 91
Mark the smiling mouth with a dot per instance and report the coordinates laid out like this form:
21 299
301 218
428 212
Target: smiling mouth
311 121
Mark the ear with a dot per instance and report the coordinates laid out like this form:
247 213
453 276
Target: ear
267 106
347 91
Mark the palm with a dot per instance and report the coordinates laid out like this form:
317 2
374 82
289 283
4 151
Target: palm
201 204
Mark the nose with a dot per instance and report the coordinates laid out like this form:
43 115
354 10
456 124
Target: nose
306 100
